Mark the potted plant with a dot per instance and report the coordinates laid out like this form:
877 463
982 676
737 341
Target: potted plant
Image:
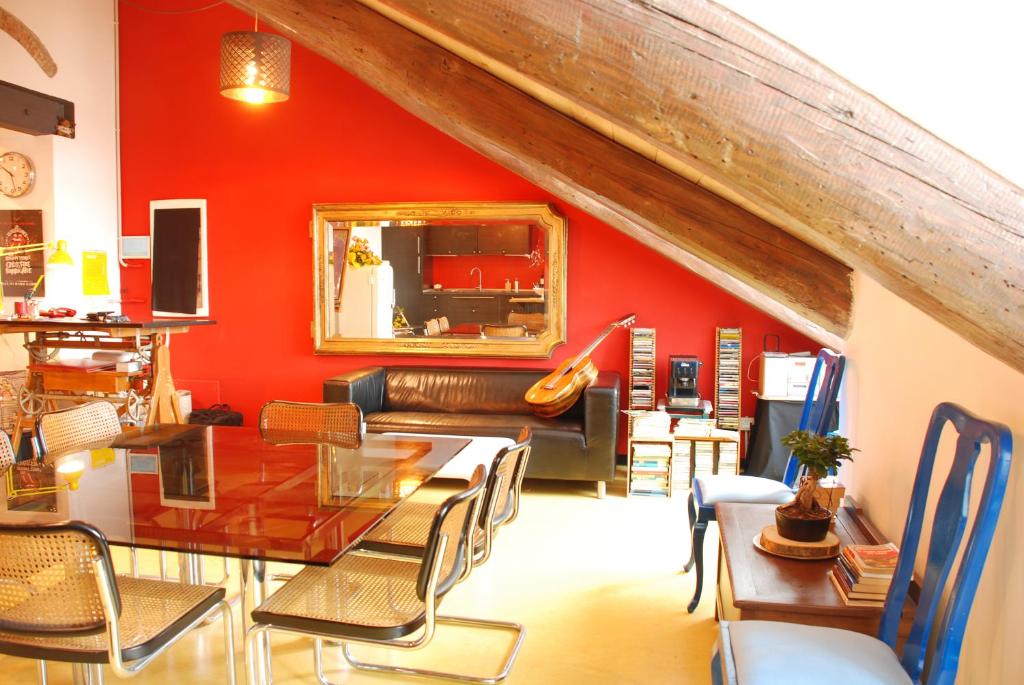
804 519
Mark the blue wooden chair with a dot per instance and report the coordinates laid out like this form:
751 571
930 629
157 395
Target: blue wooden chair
707 491
757 652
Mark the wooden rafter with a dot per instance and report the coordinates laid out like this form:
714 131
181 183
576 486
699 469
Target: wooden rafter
718 240
27 38
716 98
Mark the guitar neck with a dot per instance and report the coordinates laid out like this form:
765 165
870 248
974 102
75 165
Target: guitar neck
626 321
593 346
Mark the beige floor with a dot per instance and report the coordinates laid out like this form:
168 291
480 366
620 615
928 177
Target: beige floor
597 583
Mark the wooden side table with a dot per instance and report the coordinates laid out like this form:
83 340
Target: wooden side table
755 585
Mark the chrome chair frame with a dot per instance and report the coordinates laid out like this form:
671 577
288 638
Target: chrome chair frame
429 581
487 520
106 584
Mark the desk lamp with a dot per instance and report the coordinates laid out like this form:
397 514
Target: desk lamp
71 469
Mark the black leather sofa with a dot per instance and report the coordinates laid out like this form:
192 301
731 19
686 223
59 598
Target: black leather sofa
578 445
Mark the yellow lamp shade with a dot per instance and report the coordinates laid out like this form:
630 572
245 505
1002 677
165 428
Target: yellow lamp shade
72 470
60 256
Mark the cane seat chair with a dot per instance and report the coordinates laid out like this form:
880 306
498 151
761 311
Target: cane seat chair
443 325
384 601
405 531
339 423
7 456
489 330
756 652
283 421
77 428
60 601
432 327
816 417
535 322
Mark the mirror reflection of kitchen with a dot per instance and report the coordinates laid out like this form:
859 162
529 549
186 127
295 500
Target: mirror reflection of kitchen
442 278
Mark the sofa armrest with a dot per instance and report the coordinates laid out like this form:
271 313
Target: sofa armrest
601 424
364 387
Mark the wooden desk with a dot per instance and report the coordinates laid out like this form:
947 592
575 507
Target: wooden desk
148 340
756 585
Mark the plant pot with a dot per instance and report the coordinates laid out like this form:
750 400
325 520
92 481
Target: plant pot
801 529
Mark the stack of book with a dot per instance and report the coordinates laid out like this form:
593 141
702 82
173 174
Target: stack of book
650 424
641 369
863 573
729 456
650 470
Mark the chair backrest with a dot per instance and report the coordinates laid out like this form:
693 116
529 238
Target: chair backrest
7 455
433 327
281 420
443 325
504 480
534 321
74 428
820 402
503 331
948 525
452 522
48 583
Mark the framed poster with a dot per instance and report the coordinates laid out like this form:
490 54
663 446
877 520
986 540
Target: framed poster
179 261
20 272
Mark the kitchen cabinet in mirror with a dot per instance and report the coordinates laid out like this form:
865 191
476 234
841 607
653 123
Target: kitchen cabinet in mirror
471 279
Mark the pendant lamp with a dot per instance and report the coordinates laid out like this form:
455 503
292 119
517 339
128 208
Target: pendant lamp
255 67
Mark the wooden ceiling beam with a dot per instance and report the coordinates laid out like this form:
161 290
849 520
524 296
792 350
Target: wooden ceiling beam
715 98
718 240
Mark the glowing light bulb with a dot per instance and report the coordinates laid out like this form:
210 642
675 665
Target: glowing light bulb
251 72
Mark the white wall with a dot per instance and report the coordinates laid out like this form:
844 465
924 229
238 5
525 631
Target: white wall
75 184
948 66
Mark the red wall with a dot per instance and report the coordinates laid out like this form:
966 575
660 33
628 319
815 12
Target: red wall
337 140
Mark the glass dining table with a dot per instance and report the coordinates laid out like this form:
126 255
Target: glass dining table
229 491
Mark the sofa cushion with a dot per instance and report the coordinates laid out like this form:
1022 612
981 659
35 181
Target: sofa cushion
504 425
559 443
458 390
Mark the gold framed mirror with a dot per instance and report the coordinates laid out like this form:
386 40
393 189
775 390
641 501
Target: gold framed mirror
466 279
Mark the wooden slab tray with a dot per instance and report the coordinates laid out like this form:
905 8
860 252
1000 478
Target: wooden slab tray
769 540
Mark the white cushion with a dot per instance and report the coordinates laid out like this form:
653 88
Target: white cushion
732 488
481 450
770 652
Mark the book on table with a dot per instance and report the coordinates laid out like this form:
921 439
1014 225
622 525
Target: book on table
874 561
863 573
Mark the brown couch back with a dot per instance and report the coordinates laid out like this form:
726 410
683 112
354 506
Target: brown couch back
459 390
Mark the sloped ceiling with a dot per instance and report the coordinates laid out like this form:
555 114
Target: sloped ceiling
763 144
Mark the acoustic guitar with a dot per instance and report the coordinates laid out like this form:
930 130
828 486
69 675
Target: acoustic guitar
558 391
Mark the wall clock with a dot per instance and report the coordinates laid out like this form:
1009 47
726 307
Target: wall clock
17 174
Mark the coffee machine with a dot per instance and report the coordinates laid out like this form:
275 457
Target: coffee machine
682 381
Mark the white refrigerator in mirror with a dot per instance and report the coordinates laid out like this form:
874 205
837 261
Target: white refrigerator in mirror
367 302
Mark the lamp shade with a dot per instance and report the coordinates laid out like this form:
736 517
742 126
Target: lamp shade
255 67
60 256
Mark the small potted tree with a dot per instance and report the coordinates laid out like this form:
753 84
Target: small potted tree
804 519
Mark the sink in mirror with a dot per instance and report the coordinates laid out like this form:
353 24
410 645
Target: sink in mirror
455 279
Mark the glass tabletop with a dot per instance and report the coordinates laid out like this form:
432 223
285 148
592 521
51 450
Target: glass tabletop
226 490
